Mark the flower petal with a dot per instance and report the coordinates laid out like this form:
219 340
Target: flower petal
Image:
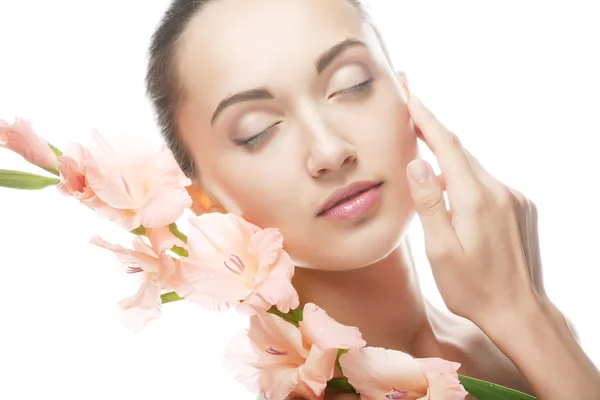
110 189
265 245
212 242
146 259
277 382
443 386
242 362
162 239
215 290
325 332
277 288
223 234
22 139
144 306
374 372
437 365
316 371
268 331
168 205
170 175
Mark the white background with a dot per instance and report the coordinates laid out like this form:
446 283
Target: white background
518 81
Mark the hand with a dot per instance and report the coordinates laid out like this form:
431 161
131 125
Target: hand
485 260
484 251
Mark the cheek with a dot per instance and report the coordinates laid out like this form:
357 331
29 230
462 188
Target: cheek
262 192
384 132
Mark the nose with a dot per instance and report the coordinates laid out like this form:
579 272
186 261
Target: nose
329 151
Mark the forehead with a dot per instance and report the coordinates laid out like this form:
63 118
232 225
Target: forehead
234 45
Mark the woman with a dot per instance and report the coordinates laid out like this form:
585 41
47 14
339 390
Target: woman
290 114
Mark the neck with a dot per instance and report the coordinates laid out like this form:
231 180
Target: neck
383 300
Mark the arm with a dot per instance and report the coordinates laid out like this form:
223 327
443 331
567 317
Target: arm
539 341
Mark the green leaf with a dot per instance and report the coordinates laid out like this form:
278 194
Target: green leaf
483 390
55 150
170 297
289 317
298 314
177 233
337 359
25 180
139 231
53 171
180 251
340 384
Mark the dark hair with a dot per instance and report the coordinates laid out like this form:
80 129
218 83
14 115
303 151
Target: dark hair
162 84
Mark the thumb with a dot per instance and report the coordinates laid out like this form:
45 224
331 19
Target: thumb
428 196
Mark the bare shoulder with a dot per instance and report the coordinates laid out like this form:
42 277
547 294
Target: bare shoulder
479 357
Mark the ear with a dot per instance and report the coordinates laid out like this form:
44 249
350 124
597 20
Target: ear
403 79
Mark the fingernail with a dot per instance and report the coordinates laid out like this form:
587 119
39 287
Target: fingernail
418 171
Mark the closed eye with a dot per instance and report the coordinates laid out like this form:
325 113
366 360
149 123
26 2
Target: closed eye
361 87
253 142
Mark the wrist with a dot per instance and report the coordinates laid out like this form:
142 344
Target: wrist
537 338
525 316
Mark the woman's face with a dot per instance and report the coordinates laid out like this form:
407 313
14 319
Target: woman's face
287 102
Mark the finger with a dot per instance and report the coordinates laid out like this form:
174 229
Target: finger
430 205
445 145
494 185
441 181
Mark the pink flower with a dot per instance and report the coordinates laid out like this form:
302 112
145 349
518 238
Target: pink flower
126 182
156 268
20 138
233 263
278 359
377 373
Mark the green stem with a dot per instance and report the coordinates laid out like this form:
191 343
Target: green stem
178 234
170 297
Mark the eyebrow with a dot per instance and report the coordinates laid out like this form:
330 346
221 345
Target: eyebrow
321 63
329 55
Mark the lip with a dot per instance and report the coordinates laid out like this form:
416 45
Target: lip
351 201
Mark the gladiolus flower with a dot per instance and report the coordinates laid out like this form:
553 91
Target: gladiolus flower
377 373
156 268
278 359
233 263
21 138
126 182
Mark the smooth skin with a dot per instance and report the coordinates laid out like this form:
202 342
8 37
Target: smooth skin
485 258
323 128
486 263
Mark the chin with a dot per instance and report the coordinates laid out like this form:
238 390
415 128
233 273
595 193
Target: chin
368 244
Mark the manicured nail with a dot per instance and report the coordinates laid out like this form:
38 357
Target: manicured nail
418 170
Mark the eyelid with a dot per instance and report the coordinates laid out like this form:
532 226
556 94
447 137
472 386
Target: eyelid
359 87
250 142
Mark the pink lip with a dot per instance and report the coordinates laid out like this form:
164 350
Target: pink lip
351 201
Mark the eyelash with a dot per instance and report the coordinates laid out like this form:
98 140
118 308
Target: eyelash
361 87
253 142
